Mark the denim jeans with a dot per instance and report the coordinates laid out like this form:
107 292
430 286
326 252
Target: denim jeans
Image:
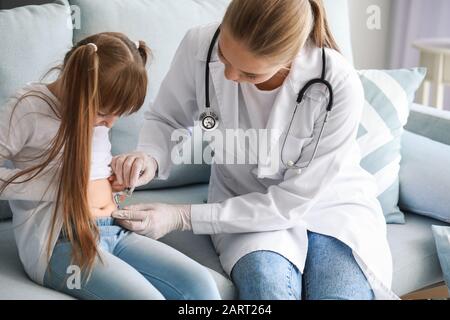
331 273
132 267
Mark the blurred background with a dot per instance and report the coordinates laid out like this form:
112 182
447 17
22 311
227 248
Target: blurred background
383 33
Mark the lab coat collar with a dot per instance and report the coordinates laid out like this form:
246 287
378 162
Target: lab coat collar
306 66
227 93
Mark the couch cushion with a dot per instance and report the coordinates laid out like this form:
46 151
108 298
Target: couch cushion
442 238
194 194
430 122
33 40
416 263
5 210
424 177
16 284
388 95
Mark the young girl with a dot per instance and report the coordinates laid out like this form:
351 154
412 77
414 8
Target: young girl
56 136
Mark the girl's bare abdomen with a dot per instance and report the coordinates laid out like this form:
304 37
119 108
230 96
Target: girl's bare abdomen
101 201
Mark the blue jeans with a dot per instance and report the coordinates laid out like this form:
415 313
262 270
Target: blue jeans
331 273
132 267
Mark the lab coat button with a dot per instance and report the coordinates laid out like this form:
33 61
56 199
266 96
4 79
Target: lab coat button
291 164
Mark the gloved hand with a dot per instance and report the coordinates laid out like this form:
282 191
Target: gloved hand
132 170
155 220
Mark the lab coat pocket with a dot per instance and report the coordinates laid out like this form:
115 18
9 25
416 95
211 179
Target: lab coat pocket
291 151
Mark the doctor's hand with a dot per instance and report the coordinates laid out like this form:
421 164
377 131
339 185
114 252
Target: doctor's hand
155 220
132 170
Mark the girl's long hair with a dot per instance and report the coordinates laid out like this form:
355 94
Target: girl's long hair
104 73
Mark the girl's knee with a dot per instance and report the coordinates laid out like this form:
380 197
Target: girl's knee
201 286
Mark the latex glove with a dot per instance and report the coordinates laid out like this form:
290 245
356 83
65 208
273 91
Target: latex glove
155 220
132 170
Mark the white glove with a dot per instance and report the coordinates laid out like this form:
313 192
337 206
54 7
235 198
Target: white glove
155 220
133 170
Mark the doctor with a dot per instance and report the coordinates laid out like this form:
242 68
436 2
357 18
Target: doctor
313 228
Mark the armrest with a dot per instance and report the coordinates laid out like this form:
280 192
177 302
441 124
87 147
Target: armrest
424 177
429 122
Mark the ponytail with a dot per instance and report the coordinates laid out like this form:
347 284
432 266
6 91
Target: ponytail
80 105
144 51
321 33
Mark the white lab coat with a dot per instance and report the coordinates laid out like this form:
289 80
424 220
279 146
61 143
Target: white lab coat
249 211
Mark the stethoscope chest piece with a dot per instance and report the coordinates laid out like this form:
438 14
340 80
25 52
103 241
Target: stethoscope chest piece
209 121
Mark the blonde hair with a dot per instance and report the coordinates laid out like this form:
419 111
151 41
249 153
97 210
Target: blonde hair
278 29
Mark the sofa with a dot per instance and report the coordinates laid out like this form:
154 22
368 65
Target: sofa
34 38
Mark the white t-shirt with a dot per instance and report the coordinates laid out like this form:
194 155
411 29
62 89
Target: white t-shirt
101 156
259 104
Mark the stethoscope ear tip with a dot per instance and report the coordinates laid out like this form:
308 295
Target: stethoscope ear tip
291 165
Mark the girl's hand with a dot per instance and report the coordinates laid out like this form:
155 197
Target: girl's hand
133 170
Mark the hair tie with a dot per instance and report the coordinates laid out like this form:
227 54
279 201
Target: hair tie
138 44
94 46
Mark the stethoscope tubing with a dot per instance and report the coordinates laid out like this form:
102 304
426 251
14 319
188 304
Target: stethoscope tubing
291 164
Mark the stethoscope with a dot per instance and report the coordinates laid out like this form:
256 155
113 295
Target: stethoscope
210 121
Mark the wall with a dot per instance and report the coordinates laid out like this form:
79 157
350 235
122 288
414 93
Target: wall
370 47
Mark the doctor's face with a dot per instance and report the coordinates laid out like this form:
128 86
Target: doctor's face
242 66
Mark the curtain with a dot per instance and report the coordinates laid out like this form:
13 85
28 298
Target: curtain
413 20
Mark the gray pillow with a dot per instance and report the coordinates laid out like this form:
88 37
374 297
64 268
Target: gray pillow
442 239
388 95
33 40
425 177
